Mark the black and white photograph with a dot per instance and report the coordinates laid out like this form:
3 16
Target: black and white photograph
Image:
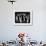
22 17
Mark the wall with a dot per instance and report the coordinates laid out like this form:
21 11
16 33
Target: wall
9 31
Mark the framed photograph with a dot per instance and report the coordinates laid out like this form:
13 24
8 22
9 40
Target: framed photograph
23 18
